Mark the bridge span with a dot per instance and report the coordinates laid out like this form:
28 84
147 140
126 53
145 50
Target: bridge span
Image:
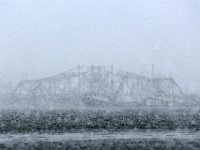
100 84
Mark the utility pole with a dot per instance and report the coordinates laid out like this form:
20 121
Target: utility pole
152 71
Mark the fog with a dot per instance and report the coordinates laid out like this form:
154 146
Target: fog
45 37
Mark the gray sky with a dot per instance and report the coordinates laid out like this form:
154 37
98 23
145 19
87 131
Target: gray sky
39 38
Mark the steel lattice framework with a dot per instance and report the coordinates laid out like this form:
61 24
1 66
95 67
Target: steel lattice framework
99 83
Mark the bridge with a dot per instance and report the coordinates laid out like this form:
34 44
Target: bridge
99 84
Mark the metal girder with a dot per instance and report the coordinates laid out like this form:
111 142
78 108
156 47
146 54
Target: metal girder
105 82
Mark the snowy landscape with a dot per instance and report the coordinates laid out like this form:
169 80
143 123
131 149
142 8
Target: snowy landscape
100 128
99 108
99 74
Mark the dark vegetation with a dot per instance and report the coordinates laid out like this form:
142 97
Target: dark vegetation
90 120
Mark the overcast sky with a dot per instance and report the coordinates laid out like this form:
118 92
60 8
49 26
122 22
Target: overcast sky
39 38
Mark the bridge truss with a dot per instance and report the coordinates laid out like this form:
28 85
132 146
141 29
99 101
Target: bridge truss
99 83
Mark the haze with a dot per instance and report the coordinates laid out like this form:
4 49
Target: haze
39 38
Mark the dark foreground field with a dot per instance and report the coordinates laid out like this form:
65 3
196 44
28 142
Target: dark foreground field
80 121
108 144
43 121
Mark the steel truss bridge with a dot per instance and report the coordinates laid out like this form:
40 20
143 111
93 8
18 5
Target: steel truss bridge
99 83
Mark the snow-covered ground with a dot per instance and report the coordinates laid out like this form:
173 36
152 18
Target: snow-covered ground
181 135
